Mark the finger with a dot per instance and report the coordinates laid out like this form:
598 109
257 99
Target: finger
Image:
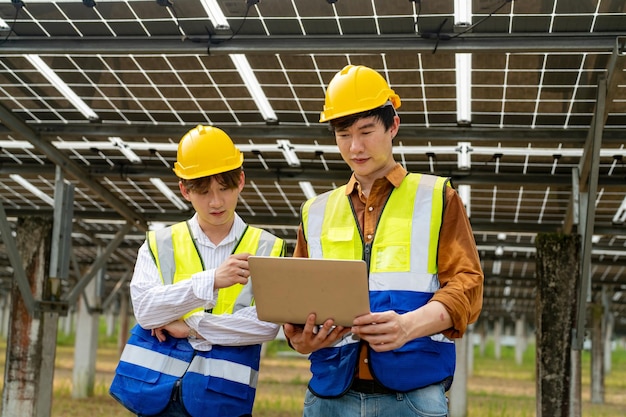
364 320
241 256
309 325
326 329
327 326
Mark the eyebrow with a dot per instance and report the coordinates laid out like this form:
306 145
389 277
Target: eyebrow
365 126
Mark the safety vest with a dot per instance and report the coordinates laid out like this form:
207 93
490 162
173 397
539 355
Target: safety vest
223 379
402 262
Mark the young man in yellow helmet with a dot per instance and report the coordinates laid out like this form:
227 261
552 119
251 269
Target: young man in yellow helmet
425 277
196 349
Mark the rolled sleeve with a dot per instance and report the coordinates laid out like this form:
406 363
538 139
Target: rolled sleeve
202 284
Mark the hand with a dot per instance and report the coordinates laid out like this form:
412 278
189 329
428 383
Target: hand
383 331
308 338
159 333
178 329
233 270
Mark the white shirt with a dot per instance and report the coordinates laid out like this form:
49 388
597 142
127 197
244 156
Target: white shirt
156 305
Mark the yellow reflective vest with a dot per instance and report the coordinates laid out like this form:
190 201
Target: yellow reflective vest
222 379
402 260
176 256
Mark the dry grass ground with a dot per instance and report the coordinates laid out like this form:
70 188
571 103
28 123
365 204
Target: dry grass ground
496 388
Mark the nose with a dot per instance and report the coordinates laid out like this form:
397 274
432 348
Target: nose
214 200
355 144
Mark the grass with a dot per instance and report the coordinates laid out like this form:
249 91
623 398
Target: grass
496 387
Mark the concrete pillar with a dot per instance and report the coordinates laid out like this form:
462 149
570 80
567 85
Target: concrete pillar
608 342
86 344
122 337
597 353
110 322
576 407
25 341
66 322
558 260
458 391
520 339
498 327
469 334
50 326
484 336
6 315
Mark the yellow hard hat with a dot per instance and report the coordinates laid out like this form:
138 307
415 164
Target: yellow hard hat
355 89
204 151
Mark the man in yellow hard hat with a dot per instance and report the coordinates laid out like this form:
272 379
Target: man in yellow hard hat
425 276
196 348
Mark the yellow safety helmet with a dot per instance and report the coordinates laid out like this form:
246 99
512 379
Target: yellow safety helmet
355 89
204 151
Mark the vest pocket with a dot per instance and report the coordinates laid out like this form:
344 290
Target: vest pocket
209 395
148 370
392 257
141 390
333 369
397 369
139 374
230 388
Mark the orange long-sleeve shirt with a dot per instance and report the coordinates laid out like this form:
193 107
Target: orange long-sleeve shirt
459 271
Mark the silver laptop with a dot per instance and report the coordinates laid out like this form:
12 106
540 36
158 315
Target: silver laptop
287 290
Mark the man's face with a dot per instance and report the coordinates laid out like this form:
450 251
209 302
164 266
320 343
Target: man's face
367 147
216 204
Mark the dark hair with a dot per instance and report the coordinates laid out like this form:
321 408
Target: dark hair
385 114
229 179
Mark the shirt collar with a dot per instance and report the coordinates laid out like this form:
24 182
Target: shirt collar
395 177
239 226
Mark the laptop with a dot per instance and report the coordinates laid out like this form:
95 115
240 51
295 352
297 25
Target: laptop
287 290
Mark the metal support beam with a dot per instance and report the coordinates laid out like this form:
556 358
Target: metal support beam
100 262
16 263
61 245
272 132
614 67
116 289
70 167
289 221
588 211
387 44
313 173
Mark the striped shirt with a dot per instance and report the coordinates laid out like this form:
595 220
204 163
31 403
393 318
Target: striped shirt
156 305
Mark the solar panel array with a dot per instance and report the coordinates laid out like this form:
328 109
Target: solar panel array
150 73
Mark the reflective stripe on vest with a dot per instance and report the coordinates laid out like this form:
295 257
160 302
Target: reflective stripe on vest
220 368
170 247
155 361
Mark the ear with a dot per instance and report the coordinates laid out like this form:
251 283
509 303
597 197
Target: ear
393 130
184 191
242 180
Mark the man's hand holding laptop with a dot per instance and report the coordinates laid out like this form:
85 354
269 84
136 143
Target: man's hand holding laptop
311 337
